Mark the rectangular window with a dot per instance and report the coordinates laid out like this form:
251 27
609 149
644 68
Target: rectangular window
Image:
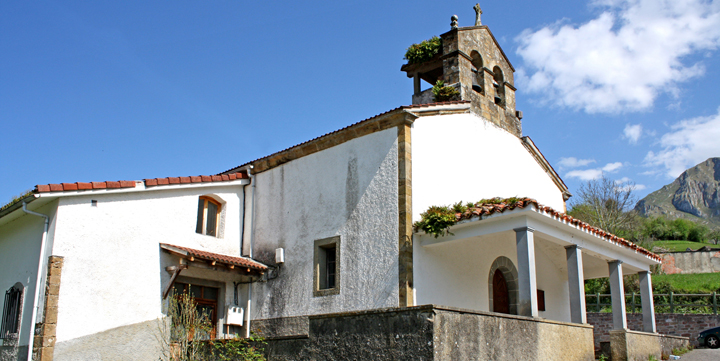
207 216
10 326
541 300
326 270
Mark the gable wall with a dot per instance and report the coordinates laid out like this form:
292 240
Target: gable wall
114 270
350 190
462 157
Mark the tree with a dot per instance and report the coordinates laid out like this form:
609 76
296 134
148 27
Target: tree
607 204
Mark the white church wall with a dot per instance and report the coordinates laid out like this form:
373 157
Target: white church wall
457 274
462 157
350 191
113 274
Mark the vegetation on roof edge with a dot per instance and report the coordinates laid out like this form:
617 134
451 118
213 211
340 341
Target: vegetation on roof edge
426 50
437 220
16 199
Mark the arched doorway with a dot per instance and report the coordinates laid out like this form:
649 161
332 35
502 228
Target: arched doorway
502 286
501 299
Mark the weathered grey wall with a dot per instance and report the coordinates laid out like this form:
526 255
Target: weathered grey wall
691 262
462 335
635 345
389 334
132 342
424 333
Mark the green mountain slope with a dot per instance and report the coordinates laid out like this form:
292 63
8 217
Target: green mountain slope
694 195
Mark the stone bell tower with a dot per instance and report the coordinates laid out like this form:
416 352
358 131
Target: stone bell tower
472 61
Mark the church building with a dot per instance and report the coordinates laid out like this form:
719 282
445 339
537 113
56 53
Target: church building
320 247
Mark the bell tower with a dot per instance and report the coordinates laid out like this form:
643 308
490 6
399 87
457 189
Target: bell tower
471 61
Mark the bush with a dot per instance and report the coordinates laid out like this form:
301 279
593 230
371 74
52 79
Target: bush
420 53
443 93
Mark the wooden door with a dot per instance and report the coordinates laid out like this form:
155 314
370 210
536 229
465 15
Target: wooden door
501 299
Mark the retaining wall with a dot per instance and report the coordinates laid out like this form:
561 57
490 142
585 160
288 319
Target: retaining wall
675 324
424 333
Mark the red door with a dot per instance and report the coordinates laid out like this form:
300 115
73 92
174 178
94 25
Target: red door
501 301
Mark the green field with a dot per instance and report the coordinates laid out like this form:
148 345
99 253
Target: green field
690 283
679 246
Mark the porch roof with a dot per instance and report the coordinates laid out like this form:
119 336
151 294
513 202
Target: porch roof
243 263
490 218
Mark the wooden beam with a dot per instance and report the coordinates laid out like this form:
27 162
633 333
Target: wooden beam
176 272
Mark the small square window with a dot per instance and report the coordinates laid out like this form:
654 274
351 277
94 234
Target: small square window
326 270
207 216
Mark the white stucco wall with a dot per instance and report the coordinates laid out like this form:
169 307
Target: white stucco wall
20 240
456 274
114 270
462 157
348 190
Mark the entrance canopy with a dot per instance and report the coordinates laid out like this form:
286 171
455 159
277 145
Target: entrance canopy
552 226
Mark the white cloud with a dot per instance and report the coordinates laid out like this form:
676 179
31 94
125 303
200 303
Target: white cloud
594 173
586 175
632 133
612 167
688 143
572 162
621 60
625 184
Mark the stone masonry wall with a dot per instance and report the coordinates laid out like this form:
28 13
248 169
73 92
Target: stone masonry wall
685 325
44 346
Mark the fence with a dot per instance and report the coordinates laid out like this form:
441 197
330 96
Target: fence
664 303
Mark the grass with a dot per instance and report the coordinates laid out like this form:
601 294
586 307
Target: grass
690 283
679 246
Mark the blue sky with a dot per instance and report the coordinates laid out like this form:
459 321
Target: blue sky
95 91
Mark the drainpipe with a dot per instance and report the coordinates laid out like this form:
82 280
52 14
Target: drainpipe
252 239
33 318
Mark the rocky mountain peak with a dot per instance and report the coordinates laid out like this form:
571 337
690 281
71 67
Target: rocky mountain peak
693 195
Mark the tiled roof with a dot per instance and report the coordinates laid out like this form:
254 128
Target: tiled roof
404 107
209 256
154 182
195 179
489 208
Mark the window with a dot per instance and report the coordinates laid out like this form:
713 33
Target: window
10 326
207 217
326 272
541 300
205 298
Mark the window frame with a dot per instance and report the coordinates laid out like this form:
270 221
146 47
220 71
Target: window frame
321 264
12 313
201 226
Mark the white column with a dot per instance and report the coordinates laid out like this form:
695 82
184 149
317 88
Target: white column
527 286
648 306
617 290
576 283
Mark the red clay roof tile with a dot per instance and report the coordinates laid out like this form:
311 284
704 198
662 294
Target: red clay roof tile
489 208
81 186
209 256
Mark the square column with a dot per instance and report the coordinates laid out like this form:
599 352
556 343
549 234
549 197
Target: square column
576 283
527 285
648 306
617 291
